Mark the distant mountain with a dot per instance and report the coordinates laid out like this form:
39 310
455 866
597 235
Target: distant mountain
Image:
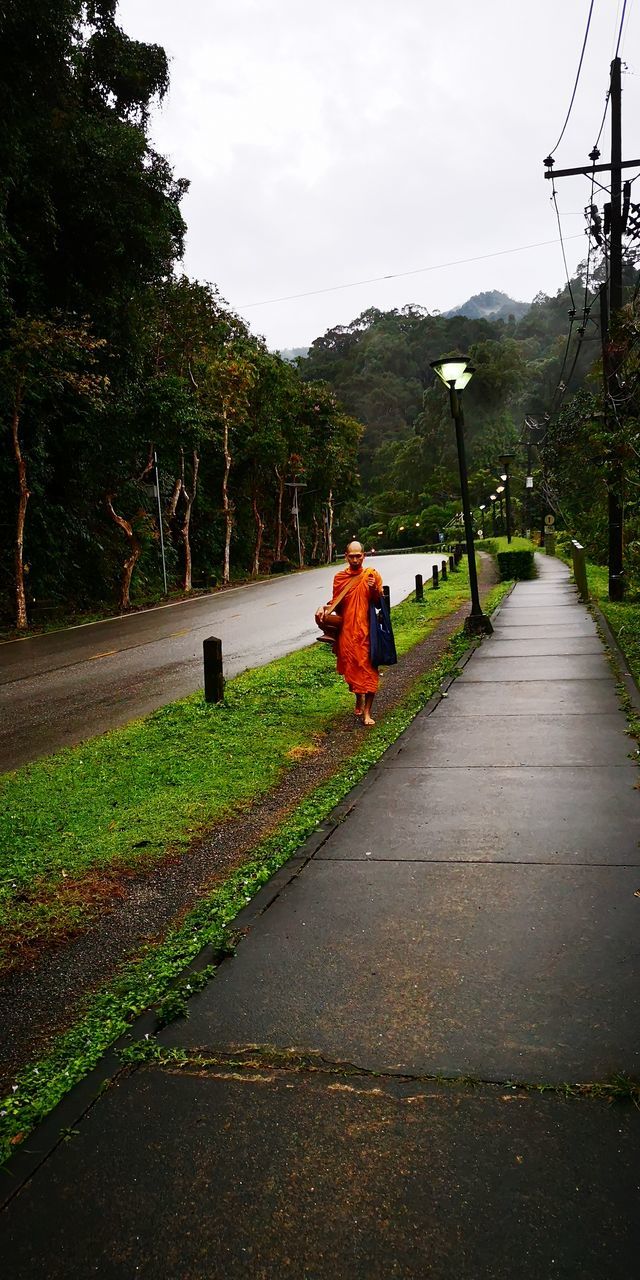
292 353
492 305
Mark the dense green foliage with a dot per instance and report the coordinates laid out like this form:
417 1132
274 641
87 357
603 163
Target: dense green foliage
542 370
516 565
107 354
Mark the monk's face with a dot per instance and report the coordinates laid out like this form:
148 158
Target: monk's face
355 555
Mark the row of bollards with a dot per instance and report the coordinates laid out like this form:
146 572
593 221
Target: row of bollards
439 574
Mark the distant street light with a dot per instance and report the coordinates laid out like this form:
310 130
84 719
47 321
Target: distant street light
456 372
500 491
494 499
506 459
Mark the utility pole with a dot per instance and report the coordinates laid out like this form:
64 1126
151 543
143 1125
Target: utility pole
610 308
528 486
295 510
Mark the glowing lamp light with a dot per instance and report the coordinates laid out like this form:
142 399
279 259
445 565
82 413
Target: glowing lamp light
455 371
504 477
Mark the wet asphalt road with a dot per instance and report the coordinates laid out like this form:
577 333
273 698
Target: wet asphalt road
60 688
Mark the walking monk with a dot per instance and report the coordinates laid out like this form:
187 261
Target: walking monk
352 646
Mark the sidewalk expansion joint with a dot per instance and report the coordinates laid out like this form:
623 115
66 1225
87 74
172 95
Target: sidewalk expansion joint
243 1062
489 862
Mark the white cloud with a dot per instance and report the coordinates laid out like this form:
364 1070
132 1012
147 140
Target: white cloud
331 143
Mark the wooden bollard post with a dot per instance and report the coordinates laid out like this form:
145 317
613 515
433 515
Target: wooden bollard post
452 563
436 584
213 675
419 590
444 571
387 596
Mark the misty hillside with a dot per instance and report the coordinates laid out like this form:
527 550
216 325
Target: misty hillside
292 353
491 305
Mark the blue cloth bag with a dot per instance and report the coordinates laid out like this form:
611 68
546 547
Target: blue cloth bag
382 646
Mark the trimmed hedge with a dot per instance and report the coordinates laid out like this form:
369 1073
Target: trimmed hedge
516 564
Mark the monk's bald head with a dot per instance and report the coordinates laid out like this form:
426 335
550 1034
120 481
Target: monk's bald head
355 555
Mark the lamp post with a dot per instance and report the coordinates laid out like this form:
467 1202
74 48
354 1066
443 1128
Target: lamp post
482 508
456 373
493 499
505 459
500 491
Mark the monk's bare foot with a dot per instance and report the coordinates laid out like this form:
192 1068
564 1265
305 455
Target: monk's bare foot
359 707
368 721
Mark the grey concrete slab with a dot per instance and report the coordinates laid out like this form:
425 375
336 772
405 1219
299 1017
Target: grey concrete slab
274 1174
557 697
543 600
540 584
550 668
512 616
584 814
499 972
452 741
537 645
525 631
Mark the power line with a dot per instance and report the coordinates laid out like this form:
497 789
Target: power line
397 275
584 45
554 197
624 10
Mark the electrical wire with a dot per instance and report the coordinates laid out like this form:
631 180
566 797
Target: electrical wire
584 45
624 10
554 197
397 275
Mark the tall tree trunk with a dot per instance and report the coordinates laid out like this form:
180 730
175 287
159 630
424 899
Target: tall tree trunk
259 532
134 553
172 505
330 527
227 505
279 547
316 538
24 494
185 536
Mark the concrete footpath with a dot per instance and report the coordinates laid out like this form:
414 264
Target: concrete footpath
468 926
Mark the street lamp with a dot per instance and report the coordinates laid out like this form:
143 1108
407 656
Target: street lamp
505 459
456 372
482 508
500 491
494 499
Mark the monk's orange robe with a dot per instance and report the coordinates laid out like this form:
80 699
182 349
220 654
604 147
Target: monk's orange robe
352 647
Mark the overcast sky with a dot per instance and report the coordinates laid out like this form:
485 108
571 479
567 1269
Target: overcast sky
332 142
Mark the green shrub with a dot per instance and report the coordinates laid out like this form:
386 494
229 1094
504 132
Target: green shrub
487 544
516 564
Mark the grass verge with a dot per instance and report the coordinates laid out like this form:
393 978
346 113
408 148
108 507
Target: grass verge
73 824
148 980
623 617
